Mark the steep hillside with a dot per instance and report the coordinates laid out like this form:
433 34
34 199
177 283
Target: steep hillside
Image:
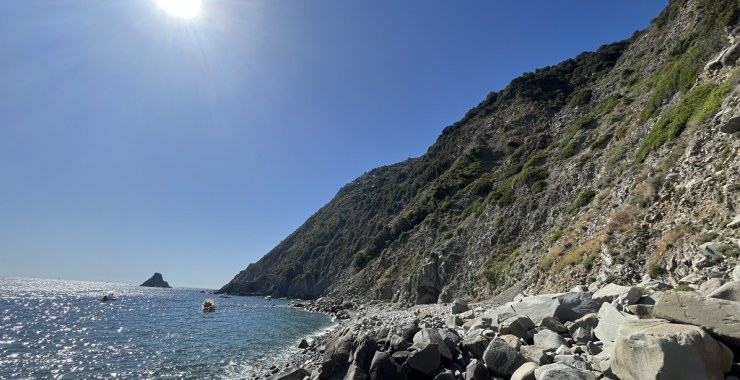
607 167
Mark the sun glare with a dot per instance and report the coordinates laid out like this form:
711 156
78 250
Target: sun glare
180 8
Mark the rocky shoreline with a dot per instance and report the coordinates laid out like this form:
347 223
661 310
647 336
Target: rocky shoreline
605 331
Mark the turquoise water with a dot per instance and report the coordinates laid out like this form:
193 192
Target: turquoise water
59 329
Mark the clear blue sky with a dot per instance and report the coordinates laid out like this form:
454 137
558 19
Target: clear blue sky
133 142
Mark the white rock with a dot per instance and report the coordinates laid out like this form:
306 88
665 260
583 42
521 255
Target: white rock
652 349
611 292
609 321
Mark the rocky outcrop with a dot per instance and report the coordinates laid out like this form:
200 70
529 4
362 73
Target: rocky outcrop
583 169
156 281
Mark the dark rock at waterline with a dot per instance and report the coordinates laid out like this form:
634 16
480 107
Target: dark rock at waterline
156 281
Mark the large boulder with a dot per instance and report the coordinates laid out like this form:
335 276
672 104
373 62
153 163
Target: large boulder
534 354
611 292
502 359
525 372
424 361
549 340
431 336
558 371
291 374
383 367
476 370
609 321
731 55
475 346
729 291
337 352
657 349
517 325
575 305
460 306
565 306
736 271
365 352
536 308
732 126
355 373
719 317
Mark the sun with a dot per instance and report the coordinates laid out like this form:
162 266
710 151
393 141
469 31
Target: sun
180 8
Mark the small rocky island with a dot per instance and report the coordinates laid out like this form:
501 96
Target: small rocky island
156 281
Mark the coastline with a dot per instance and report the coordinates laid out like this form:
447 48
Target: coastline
586 333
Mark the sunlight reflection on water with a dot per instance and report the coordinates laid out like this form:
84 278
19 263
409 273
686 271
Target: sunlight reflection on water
60 329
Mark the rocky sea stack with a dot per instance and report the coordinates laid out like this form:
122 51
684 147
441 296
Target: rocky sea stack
156 281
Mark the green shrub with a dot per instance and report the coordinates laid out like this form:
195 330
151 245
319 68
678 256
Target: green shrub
694 108
706 237
683 288
654 269
554 236
731 250
585 197
602 141
580 97
539 186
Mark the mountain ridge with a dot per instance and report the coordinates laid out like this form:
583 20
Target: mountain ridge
560 178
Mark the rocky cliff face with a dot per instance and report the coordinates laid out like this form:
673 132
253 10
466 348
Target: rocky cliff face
156 281
614 166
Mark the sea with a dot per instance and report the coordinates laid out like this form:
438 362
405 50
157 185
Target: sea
59 329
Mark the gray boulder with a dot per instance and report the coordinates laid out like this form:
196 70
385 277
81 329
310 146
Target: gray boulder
553 324
453 321
575 305
517 325
582 335
431 336
736 271
549 340
511 340
719 317
729 291
364 353
291 374
355 373
710 286
501 359
477 323
735 223
397 343
337 352
384 368
525 372
536 308
730 55
611 292
609 321
587 322
425 361
534 354
732 126
476 370
460 306
656 349
558 371
475 346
